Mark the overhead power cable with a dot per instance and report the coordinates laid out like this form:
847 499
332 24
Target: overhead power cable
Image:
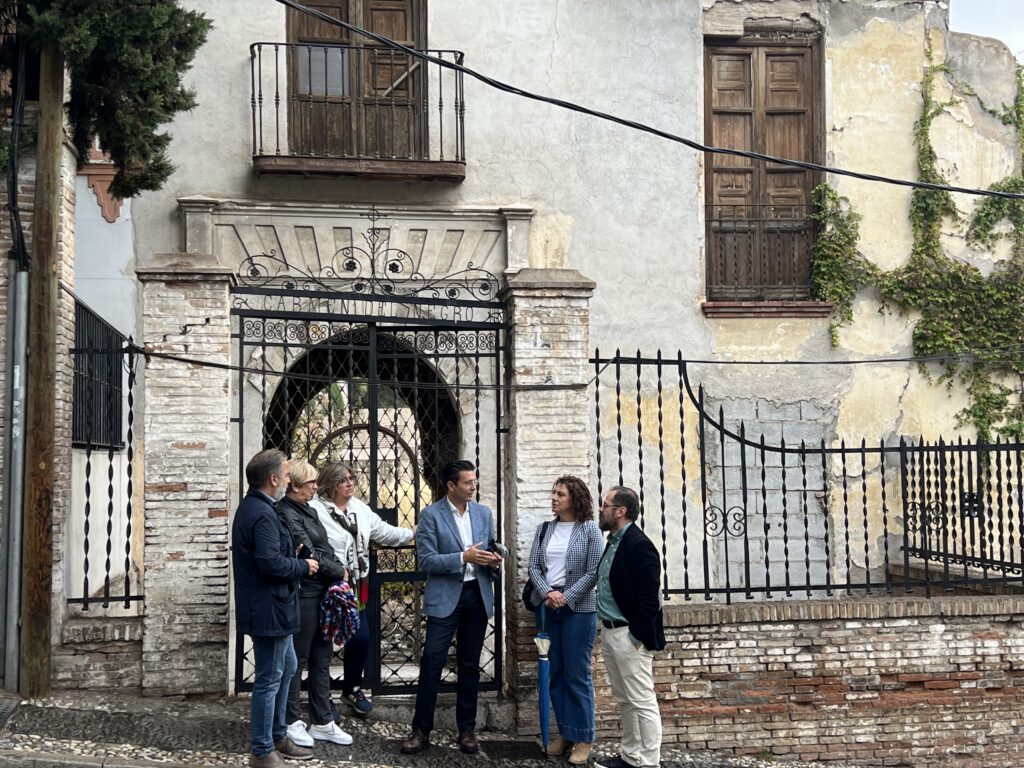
574 107
603 362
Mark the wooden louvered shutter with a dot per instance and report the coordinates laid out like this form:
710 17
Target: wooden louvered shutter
393 83
319 99
759 98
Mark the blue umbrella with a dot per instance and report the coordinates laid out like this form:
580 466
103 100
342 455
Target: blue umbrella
543 642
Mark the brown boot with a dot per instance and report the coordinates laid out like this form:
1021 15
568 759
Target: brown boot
468 743
580 753
417 742
289 750
556 746
269 760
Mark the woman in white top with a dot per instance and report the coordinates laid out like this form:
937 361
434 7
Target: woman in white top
563 571
351 527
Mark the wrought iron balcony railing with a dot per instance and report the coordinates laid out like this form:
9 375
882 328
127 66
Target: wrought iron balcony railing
360 111
759 252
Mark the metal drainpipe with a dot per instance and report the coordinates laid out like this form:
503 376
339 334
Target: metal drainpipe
14 407
14 473
5 501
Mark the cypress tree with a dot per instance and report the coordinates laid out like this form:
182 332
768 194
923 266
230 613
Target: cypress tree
125 59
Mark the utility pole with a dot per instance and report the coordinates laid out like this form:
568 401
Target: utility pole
37 549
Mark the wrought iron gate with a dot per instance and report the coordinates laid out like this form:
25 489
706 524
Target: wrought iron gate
367 363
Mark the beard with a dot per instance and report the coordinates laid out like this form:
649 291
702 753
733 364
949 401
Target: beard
279 492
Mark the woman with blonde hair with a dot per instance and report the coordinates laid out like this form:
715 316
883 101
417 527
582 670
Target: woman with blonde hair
313 652
351 525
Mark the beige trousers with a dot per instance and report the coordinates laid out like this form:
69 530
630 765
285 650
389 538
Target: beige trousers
631 674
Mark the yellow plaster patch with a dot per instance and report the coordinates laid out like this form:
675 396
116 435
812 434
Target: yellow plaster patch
550 240
874 83
751 337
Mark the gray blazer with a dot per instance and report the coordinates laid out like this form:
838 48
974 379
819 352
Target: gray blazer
586 545
439 550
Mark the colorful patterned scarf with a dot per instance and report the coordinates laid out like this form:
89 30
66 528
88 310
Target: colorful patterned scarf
339 613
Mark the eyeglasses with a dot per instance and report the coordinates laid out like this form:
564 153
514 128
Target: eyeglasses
606 505
348 479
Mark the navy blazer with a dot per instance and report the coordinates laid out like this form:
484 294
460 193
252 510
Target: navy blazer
439 550
635 578
266 570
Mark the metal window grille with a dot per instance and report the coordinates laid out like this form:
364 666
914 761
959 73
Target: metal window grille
98 383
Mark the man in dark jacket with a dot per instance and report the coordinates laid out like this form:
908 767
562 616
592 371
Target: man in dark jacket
267 574
629 609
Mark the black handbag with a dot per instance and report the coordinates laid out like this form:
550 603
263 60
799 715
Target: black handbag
528 587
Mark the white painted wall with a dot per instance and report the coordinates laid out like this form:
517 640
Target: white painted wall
105 261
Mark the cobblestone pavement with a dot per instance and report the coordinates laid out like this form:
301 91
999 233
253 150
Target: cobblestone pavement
88 730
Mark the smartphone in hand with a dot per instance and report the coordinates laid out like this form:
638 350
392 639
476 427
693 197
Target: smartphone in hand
303 553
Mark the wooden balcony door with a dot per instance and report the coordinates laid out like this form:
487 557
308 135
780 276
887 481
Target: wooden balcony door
349 97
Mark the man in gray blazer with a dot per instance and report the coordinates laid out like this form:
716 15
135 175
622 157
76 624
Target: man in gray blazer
451 540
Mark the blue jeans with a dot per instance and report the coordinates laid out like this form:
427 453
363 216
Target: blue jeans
572 683
275 664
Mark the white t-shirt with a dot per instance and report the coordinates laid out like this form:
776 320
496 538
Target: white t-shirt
558 544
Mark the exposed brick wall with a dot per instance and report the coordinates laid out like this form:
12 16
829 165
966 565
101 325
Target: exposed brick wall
99 653
549 344
186 420
879 681
63 389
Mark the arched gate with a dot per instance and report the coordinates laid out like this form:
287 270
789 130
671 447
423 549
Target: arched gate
370 363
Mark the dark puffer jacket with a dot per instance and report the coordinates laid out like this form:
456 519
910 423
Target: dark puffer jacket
307 529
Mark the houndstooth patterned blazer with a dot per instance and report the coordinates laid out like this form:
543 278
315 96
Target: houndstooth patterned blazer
586 545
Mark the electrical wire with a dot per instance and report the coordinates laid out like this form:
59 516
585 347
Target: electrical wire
148 352
603 362
574 107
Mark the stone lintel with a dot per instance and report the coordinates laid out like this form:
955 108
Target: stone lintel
183 268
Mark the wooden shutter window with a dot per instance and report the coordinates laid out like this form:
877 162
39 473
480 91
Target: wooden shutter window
759 98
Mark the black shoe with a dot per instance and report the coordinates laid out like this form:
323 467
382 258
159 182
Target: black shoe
417 742
468 743
615 761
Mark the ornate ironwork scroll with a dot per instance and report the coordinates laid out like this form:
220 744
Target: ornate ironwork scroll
372 269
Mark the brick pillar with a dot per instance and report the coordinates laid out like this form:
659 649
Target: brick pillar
185 311
549 436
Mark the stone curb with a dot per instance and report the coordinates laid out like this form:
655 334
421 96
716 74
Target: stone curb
19 759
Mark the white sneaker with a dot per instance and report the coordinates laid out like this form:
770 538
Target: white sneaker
330 732
299 735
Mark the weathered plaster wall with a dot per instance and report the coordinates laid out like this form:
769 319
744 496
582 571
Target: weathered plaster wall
874 58
609 201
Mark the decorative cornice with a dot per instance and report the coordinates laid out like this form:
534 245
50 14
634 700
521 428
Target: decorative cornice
99 176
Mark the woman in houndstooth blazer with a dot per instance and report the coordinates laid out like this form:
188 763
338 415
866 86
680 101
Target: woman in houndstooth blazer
563 575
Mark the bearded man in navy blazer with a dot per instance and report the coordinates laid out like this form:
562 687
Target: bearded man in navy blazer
451 540
632 628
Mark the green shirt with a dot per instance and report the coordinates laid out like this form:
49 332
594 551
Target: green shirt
607 608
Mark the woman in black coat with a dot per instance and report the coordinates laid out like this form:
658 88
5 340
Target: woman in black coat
310 647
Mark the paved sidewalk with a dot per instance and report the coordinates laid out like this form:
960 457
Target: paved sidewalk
119 730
